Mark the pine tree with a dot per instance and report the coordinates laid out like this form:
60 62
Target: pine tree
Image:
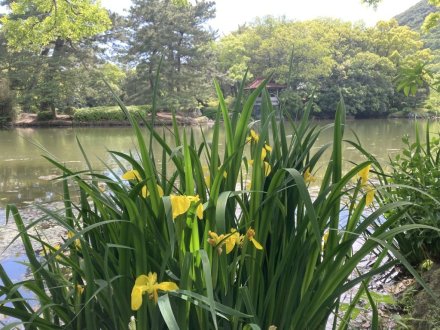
175 31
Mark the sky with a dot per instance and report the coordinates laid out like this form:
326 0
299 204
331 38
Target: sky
232 13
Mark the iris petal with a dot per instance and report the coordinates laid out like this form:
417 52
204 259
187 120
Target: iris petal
136 298
179 204
363 174
131 175
166 286
369 197
256 244
267 168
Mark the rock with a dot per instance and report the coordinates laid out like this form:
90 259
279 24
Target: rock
426 313
48 177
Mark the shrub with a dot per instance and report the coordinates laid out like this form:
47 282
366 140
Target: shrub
416 174
45 115
7 112
69 110
292 101
210 112
111 113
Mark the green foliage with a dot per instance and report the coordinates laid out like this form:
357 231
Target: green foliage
91 90
413 77
46 64
173 33
369 89
120 230
416 173
45 115
422 71
328 57
211 108
424 15
7 111
111 113
210 112
291 100
37 23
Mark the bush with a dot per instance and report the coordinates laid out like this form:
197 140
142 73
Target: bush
45 115
7 111
210 112
292 102
69 110
111 113
416 174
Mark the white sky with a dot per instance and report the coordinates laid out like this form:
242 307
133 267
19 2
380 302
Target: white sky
231 13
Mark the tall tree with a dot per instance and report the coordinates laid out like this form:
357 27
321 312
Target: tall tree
176 32
37 24
45 32
329 57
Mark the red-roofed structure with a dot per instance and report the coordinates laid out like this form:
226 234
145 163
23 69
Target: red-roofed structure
273 90
270 85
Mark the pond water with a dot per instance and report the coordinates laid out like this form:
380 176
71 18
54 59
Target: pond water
25 174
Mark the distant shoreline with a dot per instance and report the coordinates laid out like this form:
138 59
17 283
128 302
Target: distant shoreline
162 119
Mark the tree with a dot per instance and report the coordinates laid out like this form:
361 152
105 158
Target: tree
326 56
369 87
366 75
232 60
433 19
43 35
38 24
6 103
174 32
295 53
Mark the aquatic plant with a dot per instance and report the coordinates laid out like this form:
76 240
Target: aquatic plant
224 240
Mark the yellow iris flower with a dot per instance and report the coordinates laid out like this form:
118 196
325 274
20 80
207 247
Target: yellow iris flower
228 240
79 289
369 197
131 175
77 241
308 177
253 136
216 241
363 174
206 175
266 166
49 250
181 204
146 193
231 240
267 148
134 175
250 236
148 284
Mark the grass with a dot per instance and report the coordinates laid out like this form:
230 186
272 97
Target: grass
236 242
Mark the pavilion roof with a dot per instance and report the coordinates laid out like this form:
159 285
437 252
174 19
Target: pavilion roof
270 85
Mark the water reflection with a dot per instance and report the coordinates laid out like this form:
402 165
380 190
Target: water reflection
24 173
